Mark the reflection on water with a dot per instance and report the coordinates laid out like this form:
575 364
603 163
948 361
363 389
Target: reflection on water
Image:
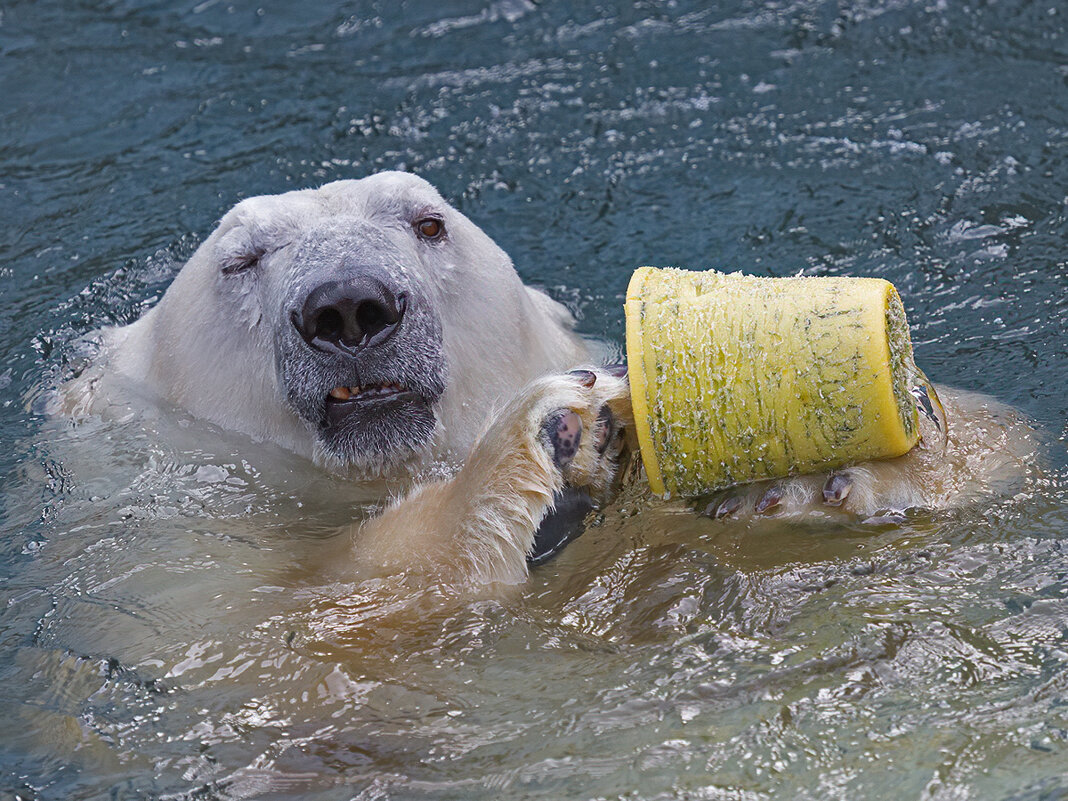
662 652
176 620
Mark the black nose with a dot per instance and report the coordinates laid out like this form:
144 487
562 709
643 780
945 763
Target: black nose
346 316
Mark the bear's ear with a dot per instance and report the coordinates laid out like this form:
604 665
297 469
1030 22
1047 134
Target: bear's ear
557 312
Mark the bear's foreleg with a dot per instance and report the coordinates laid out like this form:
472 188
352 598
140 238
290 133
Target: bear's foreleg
561 431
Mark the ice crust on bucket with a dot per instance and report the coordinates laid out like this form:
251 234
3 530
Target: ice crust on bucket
738 378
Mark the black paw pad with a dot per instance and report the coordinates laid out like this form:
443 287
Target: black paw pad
563 431
563 524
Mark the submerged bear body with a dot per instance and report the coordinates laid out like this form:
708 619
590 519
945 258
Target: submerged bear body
371 327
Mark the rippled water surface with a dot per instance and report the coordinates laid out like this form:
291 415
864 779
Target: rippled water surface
173 622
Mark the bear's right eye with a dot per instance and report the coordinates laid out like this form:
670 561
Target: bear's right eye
240 262
430 229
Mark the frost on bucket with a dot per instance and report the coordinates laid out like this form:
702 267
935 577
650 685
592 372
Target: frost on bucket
736 378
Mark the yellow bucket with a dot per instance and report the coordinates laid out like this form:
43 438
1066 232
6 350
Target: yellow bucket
736 378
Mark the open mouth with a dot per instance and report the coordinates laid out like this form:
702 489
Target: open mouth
368 404
375 421
368 392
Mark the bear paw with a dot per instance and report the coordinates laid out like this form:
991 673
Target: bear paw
588 455
854 492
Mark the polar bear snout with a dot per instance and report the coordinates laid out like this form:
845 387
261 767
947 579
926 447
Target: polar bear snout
363 363
360 352
349 315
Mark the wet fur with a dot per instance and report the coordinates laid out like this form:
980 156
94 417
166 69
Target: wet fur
989 449
479 347
493 506
478 526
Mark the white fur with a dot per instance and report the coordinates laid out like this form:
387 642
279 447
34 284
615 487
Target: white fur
207 347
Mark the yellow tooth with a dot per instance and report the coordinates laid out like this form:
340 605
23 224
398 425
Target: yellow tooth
340 393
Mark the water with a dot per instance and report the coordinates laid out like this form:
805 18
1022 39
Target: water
172 623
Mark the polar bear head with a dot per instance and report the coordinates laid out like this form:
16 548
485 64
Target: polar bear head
366 324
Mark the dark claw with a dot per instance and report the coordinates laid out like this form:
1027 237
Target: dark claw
722 508
563 430
603 429
837 488
771 499
728 507
585 377
925 405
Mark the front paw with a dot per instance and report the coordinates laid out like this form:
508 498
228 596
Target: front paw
585 447
554 447
787 497
585 435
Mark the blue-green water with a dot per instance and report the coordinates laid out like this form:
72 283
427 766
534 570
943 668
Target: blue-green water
169 623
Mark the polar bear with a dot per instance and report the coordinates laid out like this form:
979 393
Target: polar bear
371 327
365 324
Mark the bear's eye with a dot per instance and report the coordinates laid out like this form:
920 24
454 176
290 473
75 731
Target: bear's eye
239 262
429 228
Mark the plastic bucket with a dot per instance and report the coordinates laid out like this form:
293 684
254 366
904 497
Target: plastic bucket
736 378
